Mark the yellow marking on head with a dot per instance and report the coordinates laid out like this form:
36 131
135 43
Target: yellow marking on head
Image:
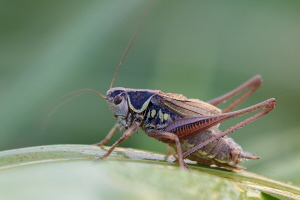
153 113
166 116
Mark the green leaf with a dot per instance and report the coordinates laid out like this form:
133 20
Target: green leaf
71 172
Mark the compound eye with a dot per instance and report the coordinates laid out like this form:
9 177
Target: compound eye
117 99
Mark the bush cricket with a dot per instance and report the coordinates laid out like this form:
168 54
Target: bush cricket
190 126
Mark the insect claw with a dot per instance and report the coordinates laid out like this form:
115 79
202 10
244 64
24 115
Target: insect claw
96 160
185 166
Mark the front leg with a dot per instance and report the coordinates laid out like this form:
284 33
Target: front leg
109 135
162 135
135 125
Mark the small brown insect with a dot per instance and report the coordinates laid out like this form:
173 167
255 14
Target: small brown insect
190 126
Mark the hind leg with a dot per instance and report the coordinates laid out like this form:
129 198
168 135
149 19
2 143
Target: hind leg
252 85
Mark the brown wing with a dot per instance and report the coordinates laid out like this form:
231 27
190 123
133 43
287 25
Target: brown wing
185 107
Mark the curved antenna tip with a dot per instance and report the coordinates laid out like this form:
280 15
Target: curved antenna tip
127 49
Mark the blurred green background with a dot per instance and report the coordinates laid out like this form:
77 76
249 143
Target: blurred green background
200 49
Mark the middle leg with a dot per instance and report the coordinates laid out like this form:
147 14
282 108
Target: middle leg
162 135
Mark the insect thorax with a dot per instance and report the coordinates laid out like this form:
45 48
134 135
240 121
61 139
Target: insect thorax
157 117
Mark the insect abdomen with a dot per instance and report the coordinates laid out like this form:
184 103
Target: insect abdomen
223 152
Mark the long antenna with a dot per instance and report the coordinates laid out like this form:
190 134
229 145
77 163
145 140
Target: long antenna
60 102
127 49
